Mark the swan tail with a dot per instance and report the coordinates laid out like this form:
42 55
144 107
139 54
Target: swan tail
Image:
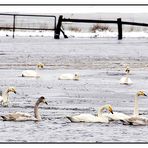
125 122
4 118
70 118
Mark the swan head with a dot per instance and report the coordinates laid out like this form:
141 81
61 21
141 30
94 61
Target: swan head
76 76
127 70
40 65
42 100
11 89
141 93
109 108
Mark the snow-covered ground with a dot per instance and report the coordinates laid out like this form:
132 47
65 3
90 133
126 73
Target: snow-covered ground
72 34
85 28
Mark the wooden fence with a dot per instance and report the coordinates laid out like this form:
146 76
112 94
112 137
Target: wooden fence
57 26
13 24
118 22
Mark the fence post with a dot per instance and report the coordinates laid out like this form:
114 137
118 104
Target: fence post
57 30
13 25
119 23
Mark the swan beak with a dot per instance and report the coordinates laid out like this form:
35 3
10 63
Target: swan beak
15 92
46 103
145 95
111 110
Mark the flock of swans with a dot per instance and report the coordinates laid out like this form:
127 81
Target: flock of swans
134 119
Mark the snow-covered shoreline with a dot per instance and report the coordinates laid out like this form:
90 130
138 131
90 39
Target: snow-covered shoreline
72 34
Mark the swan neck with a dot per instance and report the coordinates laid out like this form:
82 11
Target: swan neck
136 110
5 95
100 110
36 111
127 77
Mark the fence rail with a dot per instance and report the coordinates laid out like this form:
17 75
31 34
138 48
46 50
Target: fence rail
88 21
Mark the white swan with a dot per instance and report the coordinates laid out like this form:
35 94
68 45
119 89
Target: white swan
19 116
126 80
122 116
69 76
32 73
135 119
4 98
92 118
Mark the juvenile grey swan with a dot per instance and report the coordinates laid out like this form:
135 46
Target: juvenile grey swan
4 98
33 73
135 121
91 118
121 116
126 80
19 116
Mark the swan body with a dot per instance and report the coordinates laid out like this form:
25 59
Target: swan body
88 118
91 118
135 121
121 116
4 98
32 73
69 76
19 116
126 80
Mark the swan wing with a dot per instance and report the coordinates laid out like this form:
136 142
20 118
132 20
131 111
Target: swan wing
23 114
116 116
18 116
30 73
87 118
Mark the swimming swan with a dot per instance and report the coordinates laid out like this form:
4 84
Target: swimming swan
4 99
121 116
92 118
135 119
19 116
126 80
32 73
69 76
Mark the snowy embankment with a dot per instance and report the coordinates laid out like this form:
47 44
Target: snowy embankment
72 34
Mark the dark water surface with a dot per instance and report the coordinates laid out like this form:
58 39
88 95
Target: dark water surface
100 63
